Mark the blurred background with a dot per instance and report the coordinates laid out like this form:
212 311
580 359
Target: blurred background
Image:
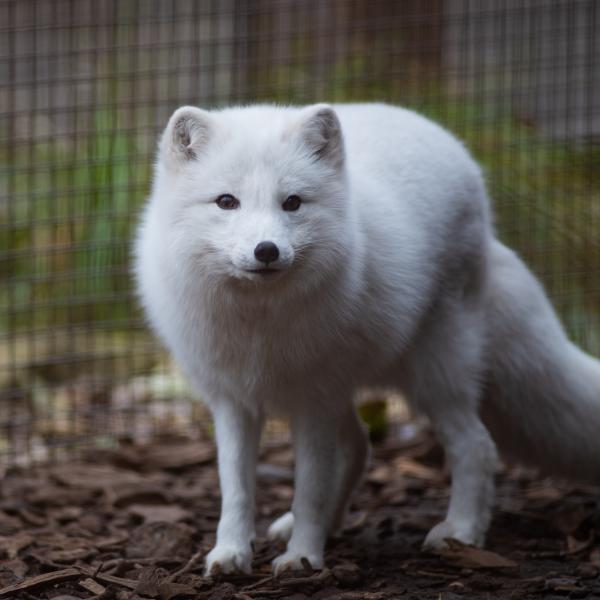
87 85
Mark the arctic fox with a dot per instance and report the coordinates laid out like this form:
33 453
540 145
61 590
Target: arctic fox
288 256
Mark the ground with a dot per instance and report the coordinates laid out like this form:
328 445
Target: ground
134 523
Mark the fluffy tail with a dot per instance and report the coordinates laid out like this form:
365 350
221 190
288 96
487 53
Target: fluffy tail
543 405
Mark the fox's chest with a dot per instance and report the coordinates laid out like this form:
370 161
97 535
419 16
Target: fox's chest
268 352
268 357
263 344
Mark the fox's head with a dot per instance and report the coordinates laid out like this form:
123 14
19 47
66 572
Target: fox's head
255 194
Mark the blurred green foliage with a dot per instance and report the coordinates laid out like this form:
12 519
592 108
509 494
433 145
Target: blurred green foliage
67 226
73 203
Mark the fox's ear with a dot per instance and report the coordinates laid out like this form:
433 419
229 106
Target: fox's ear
187 131
322 133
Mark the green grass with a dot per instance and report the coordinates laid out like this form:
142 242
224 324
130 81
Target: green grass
68 223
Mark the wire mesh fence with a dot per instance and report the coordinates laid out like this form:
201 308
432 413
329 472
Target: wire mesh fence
86 86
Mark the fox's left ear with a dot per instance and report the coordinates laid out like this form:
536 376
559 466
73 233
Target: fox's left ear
322 133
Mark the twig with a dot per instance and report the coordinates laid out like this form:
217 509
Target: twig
127 583
53 577
318 577
256 584
115 566
188 566
562 553
92 586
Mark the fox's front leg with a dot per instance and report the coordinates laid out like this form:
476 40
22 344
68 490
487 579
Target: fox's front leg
237 434
315 503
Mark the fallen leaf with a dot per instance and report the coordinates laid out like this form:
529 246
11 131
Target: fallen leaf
69 556
411 468
160 540
347 574
176 455
594 559
9 524
56 540
92 586
147 493
355 521
575 546
379 475
13 571
568 521
65 514
587 571
543 493
31 518
16 567
168 590
112 541
91 523
11 545
94 477
54 495
562 585
394 493
470 557
148 581
152 514
281 491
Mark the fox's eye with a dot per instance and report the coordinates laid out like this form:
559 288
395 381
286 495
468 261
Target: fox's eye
292 203
227 202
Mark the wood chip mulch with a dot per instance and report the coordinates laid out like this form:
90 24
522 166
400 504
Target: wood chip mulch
135 524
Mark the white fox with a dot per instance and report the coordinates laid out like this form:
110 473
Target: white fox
289 256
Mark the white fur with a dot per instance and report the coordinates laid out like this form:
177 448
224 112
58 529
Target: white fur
389 274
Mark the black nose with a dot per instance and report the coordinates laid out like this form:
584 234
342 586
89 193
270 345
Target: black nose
266 252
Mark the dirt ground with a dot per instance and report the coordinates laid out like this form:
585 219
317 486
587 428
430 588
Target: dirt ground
135 523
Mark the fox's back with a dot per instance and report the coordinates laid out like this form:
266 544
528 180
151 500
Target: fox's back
419 197
404 148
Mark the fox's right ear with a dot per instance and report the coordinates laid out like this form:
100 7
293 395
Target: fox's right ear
187 131
322 133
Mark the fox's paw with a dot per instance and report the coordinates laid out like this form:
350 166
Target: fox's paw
228 559
295 561
436 538
281 529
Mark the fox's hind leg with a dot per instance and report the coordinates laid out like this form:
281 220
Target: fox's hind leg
352 457
448 373
282 527
472 459
352 451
